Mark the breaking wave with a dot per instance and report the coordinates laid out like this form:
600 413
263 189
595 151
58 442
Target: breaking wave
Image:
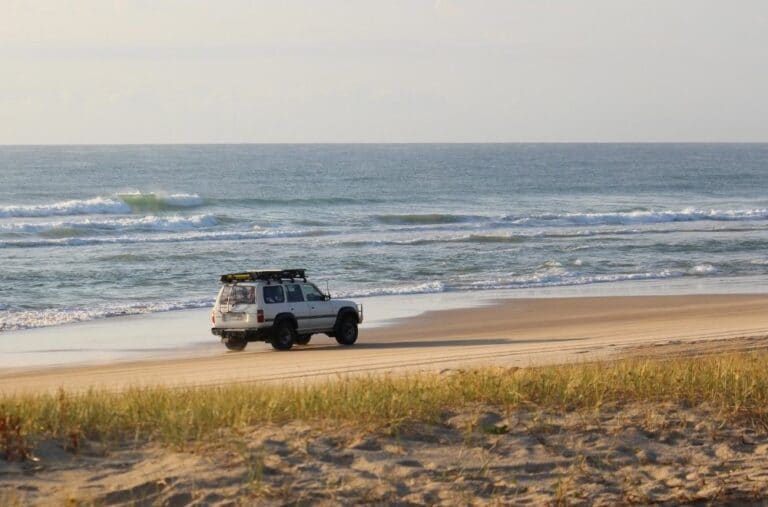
12 320
703 269
159 202
119 204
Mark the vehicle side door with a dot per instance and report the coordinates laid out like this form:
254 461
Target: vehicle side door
275 302
321 310
298 306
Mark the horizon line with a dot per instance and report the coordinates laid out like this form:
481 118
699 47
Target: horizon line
363 143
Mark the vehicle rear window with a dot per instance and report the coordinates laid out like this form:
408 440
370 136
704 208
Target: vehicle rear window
273 294
294 293
237 295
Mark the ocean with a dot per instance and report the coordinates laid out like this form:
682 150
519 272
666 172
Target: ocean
92 232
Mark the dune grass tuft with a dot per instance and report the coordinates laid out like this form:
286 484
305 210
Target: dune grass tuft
735 385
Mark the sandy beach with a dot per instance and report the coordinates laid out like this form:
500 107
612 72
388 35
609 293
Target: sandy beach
516 332
480 454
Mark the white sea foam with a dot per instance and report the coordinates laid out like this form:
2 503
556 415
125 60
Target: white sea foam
560 278
703 269
640 217
520 235
97 205
115 205
550 275
147 223
11 320
400 290
161 238
24 319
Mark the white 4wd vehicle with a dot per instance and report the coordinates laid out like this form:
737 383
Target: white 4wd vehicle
280 307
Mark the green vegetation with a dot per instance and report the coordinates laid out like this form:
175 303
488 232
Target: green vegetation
733 385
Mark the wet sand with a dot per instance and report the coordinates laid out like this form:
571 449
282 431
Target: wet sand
515 332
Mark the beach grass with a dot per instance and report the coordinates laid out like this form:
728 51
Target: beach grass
733 386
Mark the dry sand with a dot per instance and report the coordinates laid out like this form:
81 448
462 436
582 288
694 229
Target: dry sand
516 332
629 454
637 454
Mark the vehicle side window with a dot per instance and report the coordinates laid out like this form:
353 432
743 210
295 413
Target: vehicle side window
312 293
273 294
294 293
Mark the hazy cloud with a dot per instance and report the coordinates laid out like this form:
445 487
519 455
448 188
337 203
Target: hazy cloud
446 70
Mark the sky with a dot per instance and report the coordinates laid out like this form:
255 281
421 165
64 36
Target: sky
114 72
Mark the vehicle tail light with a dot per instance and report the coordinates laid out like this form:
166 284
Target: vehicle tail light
259 315
213 318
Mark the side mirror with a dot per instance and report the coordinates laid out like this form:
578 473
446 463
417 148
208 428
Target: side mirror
326 297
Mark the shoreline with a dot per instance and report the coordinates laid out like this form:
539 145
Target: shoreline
515 332
185 333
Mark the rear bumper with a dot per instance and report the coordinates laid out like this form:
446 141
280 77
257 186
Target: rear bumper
251 335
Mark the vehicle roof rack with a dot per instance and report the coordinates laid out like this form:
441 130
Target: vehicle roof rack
266 275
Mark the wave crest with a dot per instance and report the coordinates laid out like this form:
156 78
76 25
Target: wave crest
120 204
160 201
422 219
97 205
147 223
163 238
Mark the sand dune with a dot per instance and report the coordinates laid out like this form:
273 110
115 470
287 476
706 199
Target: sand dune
637 454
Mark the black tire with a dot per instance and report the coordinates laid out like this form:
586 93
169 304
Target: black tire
346 330
303 339
283 336
235 343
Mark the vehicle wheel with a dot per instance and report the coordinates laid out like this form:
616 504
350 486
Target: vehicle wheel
283 336
346 330
235 343
303 339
